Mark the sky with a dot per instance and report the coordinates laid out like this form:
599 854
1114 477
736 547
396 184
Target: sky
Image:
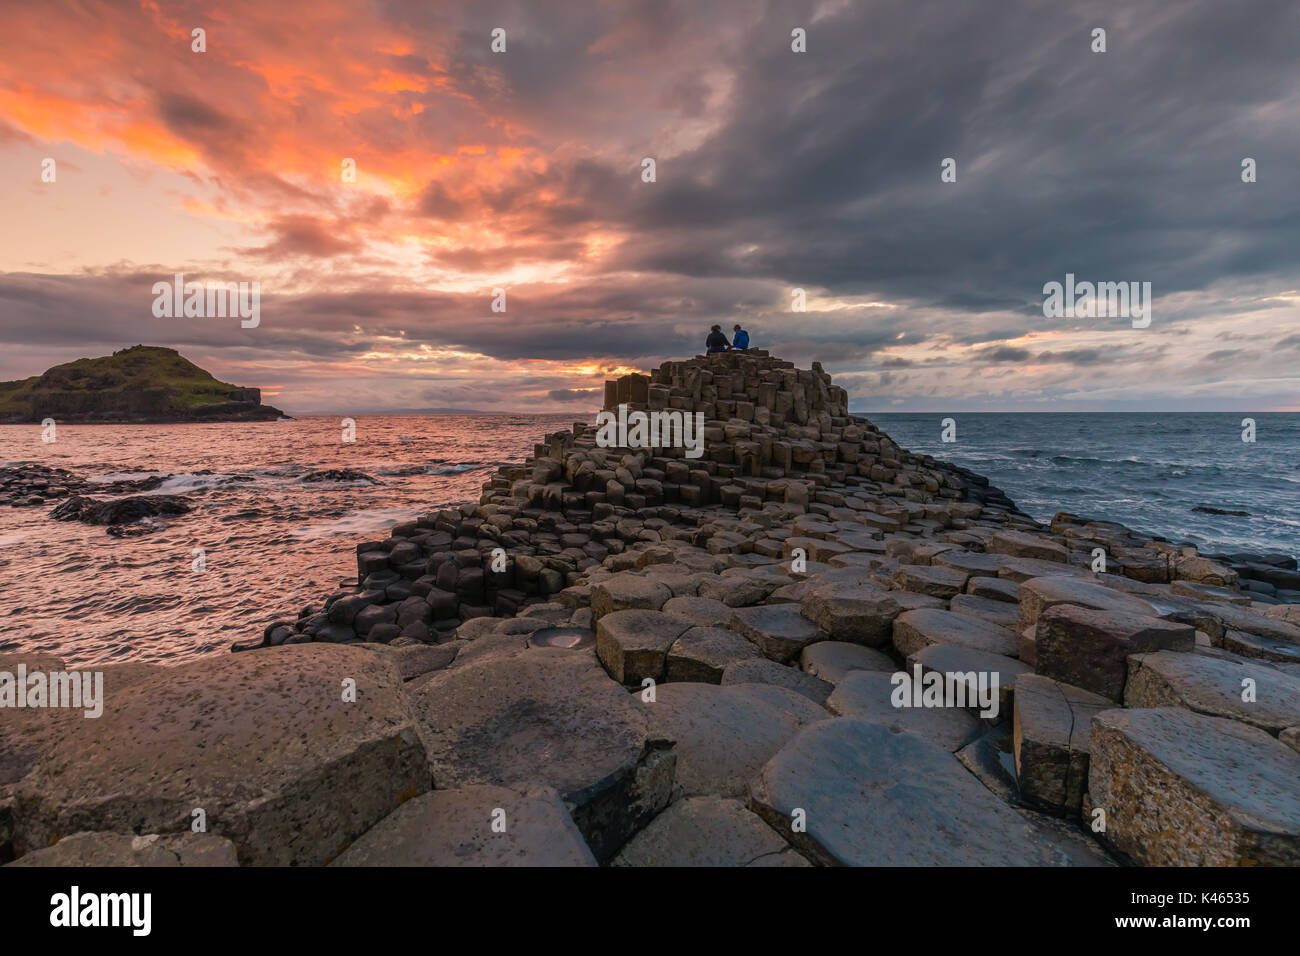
774 170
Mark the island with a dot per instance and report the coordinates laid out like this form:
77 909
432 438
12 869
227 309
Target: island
144 384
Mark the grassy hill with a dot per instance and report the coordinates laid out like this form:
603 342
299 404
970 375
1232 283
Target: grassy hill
144 383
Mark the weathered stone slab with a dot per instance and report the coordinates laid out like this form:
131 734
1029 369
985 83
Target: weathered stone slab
1038 594
914 630
909 550
832 660
721 735
855 612
973 563
699 611
264 743
934 580
420 659
1236 618
951 659
1183 789
1051 727
802 710
872 796
1019 570
90 848
867 694
1214 686
703 653
763 671
780 631
627 591
549 717
708 831
999 613
1259 647
634 644
994 589
737 590
474 826
1090 648
1023 544
94 848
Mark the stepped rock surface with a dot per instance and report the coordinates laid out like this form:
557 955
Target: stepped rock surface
694 654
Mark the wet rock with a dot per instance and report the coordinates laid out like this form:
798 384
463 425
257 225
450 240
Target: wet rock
474 826
708 831
121 511
340 474
1183 789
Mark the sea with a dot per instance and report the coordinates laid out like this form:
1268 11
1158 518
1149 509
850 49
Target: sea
273 544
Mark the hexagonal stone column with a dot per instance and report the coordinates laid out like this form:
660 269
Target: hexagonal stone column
1183 789
263 743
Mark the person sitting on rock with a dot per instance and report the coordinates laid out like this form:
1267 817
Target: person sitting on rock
740 340
716 342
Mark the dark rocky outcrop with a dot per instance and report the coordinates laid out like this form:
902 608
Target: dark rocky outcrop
120 511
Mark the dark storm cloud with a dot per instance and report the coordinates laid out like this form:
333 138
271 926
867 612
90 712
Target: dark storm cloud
1113 166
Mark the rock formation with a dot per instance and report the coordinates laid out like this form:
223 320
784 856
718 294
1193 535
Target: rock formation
751 610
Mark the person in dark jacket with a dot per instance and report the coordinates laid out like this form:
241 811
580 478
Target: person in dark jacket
740 338
716 342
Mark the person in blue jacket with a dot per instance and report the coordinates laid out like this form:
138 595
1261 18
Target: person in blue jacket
740 338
